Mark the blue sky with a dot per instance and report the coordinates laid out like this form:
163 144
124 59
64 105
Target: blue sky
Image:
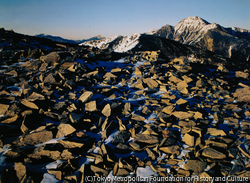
79 19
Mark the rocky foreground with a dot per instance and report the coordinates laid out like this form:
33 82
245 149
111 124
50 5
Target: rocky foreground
68 113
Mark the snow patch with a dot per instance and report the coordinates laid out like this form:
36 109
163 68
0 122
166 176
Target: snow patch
125 43
103 43
53 165
145 172
48 178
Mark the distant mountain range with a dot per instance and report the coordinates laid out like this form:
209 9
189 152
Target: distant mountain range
232 43
62 40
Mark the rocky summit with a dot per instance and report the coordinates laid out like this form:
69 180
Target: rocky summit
164 109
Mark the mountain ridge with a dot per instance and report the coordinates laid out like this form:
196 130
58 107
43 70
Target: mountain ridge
232 43
63 40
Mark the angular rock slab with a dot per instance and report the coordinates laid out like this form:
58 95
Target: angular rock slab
86 96
149 139
36 138
212 153
195 165
3 109
183 115
64 130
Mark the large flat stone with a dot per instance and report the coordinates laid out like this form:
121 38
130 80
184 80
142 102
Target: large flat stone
212 153
195 165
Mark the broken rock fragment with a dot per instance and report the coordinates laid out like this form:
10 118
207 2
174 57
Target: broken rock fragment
182 115
64 130
174 149
70 144
212 153
137 117
151 83
91 106
35 138
86 96
28 104
149 139
51 57
242 94
20 171
195 165
169 109
106 111
215 132
121 137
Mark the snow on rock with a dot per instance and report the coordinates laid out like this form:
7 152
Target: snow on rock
48 178
192 23
145 172
196 27
53 165
127 43
117 43
103 43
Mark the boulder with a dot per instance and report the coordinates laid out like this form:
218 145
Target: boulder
58 174
28 104
59 106
240 74
174 149
137 72
43 67
175 79
181 85
3 108
86 96
200 83
183 115
169 109
10 120
121 137
212 153
181 101
51 57
40 153
150 83
91 106
35 96
64 130
148 139
215 132
196 166
189 139
99 171
106 111
49 79
70 144
137 117
66 155
35 138
145 110
242 94
20 171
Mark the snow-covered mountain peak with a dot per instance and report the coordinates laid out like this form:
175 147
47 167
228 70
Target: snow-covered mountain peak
192 29
116 43
191 23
